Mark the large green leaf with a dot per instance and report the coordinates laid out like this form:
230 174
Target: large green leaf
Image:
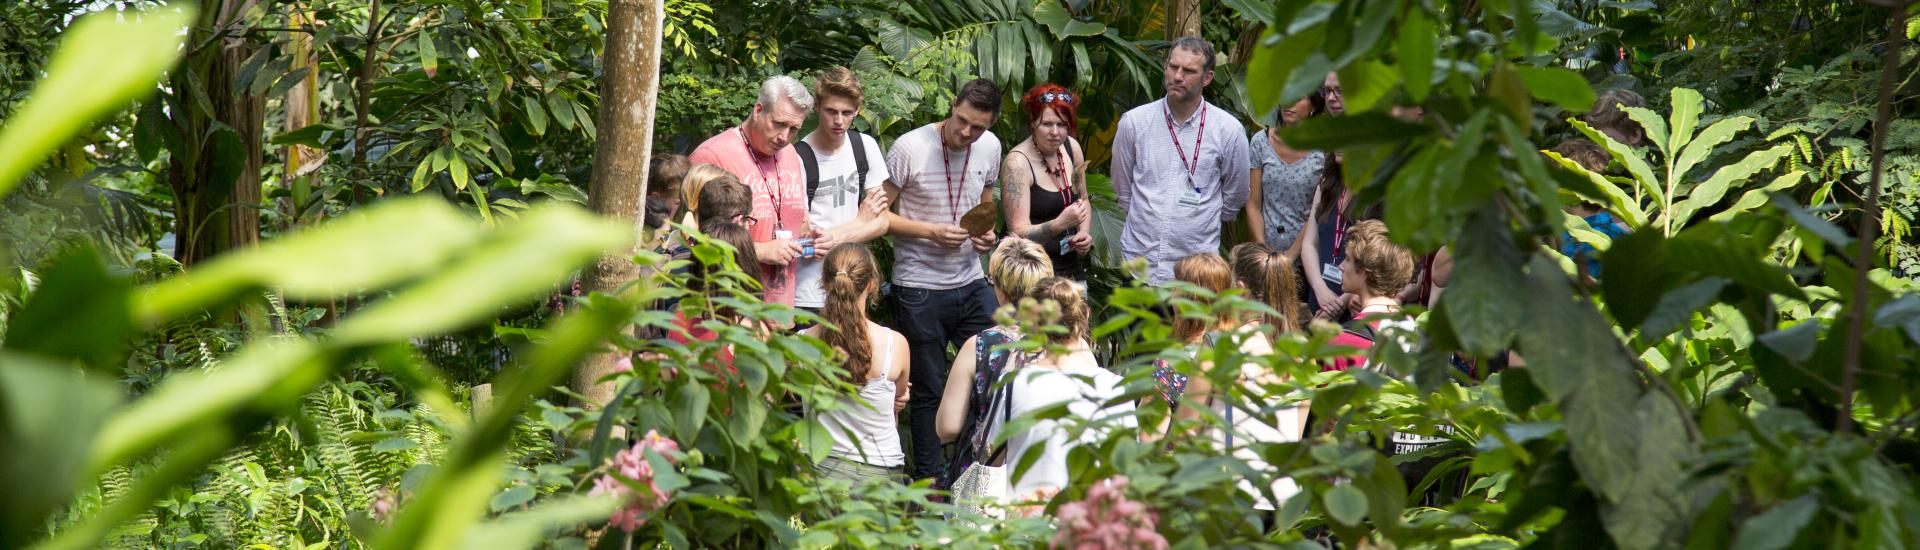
1557 86
1346 504
1416 47
524 259
1274 63
1715 249
1637 274
48 416
1617 200
79 313
1711 191
1366 83
1480 301
1701 146
530 528
1636 165
1778 527
1338 132
1655 127
366 249
265 376
104 61
1687 106
1753 198
1653 508
1573 357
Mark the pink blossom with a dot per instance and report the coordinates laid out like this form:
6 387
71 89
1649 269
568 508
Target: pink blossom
1107 519
623 364
632 465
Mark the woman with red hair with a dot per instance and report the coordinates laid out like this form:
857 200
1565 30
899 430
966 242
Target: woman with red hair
1043 182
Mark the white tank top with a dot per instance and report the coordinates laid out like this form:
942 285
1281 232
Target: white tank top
864 428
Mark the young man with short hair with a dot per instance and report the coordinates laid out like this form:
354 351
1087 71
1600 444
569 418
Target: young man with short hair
940 297
845 173
760 153
1179 167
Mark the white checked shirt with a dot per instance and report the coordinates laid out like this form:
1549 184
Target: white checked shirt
1168 219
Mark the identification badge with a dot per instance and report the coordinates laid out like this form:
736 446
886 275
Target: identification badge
782 235
1192 197
1332 273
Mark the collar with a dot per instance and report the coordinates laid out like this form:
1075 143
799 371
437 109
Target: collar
1167 107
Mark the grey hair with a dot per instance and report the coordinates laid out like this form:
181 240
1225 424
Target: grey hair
783 85
1194 44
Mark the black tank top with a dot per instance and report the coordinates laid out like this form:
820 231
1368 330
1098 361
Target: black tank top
1045 205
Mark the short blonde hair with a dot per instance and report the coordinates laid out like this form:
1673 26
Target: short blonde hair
838 81
1387 266
696 178
1017 265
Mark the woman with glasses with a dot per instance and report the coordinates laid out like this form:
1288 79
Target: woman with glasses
1044 182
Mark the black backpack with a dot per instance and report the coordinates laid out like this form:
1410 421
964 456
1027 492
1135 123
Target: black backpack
811 161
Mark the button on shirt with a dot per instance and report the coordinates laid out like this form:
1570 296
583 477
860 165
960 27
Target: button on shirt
1150 180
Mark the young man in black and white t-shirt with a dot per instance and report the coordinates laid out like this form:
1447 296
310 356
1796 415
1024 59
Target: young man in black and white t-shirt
845 173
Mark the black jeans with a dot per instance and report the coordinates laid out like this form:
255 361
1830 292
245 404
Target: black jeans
932 320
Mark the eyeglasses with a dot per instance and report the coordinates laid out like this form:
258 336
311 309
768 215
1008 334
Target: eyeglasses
746 220
1050 97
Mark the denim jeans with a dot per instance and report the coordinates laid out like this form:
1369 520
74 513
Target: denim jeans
933 320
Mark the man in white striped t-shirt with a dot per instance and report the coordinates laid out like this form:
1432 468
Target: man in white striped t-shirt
940 297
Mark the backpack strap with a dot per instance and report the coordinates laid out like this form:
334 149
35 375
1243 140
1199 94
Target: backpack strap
1361 328
859 164
811 162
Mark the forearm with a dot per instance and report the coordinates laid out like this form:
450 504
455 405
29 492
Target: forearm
860 231
1257 226
902 226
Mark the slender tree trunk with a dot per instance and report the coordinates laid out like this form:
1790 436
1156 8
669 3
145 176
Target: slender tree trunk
362 96
1183 18
621 153
217 189
302 106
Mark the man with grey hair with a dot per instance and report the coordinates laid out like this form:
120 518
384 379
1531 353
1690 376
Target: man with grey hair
1179 167
760 153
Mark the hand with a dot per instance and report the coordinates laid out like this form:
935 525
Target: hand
823 242
1351 302
1329 300
776 252
874 206
1072 215
1080 243
900 401
948 235
985 241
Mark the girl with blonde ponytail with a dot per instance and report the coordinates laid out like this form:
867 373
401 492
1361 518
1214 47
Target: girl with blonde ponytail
1267 275
866 441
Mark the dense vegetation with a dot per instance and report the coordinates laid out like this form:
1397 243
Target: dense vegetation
258 268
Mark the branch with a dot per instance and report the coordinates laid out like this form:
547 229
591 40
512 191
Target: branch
1870 218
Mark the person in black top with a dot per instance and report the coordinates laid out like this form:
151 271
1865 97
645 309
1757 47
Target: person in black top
1044 182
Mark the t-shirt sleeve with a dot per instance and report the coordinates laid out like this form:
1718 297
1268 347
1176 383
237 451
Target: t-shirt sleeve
900 161
877 172
703 155
1256 154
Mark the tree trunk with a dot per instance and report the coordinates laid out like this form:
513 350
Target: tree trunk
1183 18
217 186
302 106
620 156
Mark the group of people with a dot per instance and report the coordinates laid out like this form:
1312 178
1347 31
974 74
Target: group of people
801 209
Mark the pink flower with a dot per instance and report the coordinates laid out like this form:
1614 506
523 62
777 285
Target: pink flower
383 505
623 364
1106 519
632 465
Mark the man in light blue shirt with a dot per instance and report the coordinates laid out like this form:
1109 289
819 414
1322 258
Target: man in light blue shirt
1179 166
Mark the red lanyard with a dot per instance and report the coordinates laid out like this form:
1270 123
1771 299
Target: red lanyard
769 181
1339 230
1175 136
1065 180
953 191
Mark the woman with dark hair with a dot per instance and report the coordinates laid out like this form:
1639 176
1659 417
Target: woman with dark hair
1322 241
1283 180
1043 182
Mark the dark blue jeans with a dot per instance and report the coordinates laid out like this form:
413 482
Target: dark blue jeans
932 320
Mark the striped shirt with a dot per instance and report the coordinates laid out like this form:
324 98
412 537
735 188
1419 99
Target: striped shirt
931 194
1173 213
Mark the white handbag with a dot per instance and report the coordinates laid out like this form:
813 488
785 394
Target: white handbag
982 487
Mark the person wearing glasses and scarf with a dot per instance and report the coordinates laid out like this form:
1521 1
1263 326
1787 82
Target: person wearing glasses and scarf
1043 182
